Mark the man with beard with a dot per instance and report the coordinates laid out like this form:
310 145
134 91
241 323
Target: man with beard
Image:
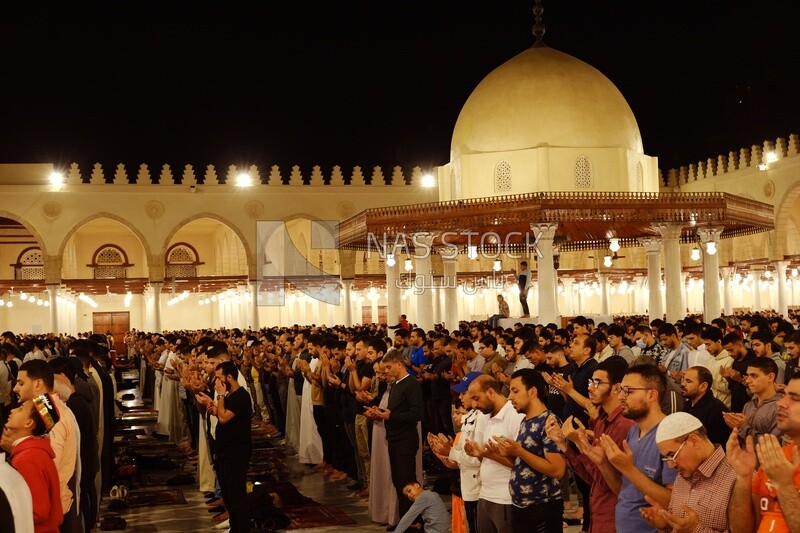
537 465
770 501
590 462
696 388
494 501
735 374
638 462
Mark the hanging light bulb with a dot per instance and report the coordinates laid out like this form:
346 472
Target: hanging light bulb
408 265
695 255
608 261
613 244
711 247
390 262
498 266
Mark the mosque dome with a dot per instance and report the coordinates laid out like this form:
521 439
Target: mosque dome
543 97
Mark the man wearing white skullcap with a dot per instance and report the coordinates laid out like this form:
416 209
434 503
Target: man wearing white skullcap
702 491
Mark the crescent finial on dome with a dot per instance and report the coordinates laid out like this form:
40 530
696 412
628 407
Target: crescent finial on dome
538 26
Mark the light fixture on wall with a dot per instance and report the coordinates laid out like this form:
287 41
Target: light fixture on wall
498 265
711 247
390 261
244 180
56 179
794 272
769 157
472 252
613 245
695 253
608 261
408 265
768 274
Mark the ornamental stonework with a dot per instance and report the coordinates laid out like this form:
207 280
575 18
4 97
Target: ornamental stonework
154 209
51 210
345 209
254 209
769 189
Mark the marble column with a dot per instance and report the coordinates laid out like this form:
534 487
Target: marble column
639 306
569 296
52 293
424 270
157 304
393 297
727 293
671 234
684 293
756 271
652 247
546 274
347 285
450 289
602 281
254 320
711 299
780 274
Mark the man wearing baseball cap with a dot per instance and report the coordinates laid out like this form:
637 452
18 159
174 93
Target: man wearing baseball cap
702 491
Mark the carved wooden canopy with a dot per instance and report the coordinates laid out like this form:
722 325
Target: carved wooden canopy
586 220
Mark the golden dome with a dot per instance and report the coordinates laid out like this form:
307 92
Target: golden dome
544 97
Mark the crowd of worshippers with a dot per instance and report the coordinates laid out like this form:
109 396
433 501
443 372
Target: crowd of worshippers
631 419
58 414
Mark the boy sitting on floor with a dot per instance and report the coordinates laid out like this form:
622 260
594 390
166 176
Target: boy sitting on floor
428 504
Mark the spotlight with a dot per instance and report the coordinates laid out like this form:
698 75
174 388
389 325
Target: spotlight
243 180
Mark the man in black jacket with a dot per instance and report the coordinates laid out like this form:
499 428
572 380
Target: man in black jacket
402 415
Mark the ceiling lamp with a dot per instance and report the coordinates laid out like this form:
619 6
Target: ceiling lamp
613 244
607 261
695 254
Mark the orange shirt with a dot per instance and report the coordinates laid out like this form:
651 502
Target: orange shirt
772 520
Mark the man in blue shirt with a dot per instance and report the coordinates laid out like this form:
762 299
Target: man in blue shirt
638 467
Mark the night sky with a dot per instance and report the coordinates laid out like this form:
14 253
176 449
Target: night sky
372 83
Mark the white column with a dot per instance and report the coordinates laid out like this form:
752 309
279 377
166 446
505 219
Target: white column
652 247
727 294
602 281
157 305
780 273
450 289
756 270
569 295
546 276
393 298
711 299
348 304
254 320
423 270
52 293
671 234
684 293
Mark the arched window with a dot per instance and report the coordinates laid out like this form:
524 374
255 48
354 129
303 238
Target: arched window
110 262
639 177
502 177
30 264
182 261
583 173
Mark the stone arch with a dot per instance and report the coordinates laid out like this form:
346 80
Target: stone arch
28 226
145 244
787 222
249 254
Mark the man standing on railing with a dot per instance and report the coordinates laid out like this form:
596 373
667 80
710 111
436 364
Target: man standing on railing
524 282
